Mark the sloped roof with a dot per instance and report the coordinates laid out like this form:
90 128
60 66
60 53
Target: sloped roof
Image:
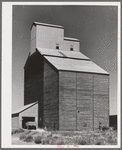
45 24
71 39
71 61
23 108
61 53
75 65
49 52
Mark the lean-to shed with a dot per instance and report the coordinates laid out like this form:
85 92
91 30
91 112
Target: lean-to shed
27 113
72 91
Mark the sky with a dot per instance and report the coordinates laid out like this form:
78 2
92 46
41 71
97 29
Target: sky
94 26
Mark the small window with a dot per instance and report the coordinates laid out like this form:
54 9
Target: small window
71 47
57 46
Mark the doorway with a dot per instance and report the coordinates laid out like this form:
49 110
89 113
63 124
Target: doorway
25 120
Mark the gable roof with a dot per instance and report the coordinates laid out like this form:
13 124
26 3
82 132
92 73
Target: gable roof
23 108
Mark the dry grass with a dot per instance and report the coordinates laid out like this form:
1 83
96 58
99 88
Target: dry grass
106 137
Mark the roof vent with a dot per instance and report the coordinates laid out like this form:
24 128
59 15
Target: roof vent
62 54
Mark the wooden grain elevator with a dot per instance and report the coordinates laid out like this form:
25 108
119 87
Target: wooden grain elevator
72 91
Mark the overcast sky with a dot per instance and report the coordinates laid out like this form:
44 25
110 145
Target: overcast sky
94 26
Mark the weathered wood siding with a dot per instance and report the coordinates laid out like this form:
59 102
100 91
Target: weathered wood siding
50 106
15 122
30 112
101 100
33 85
84 101
67 100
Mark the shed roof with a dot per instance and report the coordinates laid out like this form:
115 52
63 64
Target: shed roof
71 39
71 61
75 65
62 53
24 108
45 24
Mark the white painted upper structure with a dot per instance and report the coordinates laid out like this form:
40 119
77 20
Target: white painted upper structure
50 36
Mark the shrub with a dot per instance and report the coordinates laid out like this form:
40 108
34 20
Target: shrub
47 134
81 142
20 130
56 136
60 142
22 137
105 128
98 143
29 138
38 139
115 127
45 141
14 131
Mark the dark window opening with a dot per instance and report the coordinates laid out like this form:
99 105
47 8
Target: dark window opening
71 48
57 46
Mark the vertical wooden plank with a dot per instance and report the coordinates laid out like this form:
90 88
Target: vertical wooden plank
67 100
33 83
84 101
101 100
50 104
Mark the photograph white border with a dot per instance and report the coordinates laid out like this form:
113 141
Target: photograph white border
6 80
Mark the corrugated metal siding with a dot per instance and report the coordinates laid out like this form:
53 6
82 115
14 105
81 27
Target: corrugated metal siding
75 65
50 98
67 101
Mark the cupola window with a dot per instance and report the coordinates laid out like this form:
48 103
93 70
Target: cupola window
57 46
71 47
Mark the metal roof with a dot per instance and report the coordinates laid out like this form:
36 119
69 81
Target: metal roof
49 52
61 53
77 65
71 39
45 24
73 54
24 108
